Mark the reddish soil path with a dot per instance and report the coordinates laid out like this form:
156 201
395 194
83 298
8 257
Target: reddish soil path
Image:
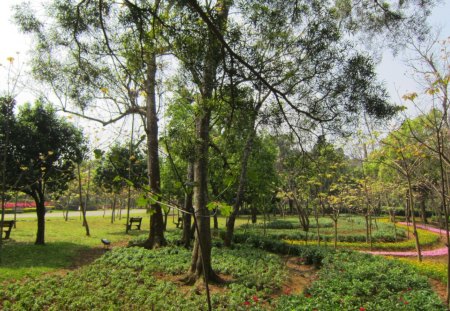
430 253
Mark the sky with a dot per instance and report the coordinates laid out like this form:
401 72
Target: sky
391 70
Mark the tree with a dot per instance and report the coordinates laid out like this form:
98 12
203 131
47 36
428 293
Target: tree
431 69
128 39
112 173
399 156
44 154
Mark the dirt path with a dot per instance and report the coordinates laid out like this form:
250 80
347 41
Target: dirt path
442 251
300 276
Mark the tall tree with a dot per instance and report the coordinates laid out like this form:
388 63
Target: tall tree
127 38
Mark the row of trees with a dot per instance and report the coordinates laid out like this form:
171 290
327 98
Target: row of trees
237 67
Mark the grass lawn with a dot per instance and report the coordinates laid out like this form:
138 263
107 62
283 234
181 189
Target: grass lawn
64 242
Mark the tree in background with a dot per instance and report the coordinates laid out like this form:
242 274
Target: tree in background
44 154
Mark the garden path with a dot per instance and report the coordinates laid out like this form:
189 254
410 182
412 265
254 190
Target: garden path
430 253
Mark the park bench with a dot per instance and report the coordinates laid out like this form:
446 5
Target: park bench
136 221
7 227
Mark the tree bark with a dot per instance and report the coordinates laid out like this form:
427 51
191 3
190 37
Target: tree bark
113 208
39 200
82 206
411 208
335 221
216 220
201 254
423 211
188 208
241 187
156 236
254 214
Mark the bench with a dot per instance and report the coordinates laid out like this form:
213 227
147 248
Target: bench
7 227
134 221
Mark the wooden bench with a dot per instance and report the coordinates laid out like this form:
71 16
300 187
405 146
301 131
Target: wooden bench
7 227
137 221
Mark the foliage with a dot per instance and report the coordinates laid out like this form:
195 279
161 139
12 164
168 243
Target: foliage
310 254
428 267
45 148
426 239
127 279
113 170
349 230
354 281
285 224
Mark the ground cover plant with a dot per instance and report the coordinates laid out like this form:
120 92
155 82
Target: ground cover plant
435 268
130 279
354 281
135 278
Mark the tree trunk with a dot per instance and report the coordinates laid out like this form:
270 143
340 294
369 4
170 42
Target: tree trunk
216 220
201 254
366 217
423 212
411 207
316 217
156 235
120 208
290 202
370 231
88 192
113 208
166 217
242 183
188 208
130 173
82 206
39 200
444 185
335 232
254 212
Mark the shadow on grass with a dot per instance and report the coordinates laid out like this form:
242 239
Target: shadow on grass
130 233
23 256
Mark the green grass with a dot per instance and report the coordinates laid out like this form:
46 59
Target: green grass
64 240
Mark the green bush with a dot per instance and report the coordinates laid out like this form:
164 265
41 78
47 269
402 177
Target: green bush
310 254
287 224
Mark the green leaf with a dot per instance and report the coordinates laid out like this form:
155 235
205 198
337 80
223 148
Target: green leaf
98 154
142 201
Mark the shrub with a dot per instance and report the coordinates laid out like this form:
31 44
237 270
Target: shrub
310 254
